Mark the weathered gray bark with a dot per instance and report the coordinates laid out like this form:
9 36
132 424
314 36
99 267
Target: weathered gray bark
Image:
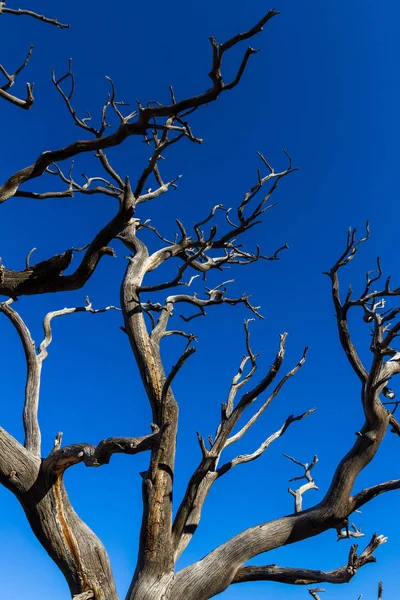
155 560
37 482
70 543
75 549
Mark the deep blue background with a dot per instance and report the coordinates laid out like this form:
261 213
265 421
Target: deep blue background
325 87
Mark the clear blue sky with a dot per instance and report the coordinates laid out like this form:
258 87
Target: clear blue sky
326 87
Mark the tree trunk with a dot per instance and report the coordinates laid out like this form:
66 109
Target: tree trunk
72 545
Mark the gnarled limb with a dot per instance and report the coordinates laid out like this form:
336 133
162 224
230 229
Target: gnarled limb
156 554
61 459
70 543
47 276
295 576
216 571
38 484
145 118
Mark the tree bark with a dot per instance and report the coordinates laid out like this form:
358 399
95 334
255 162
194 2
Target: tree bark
155 566
72 545
38 483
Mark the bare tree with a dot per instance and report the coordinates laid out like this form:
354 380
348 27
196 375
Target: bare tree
148 310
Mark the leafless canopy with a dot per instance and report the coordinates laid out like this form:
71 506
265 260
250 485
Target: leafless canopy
37 481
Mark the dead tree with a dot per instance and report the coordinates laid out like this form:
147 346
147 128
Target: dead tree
148 311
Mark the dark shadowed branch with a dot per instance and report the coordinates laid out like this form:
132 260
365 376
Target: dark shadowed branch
47 276
146 115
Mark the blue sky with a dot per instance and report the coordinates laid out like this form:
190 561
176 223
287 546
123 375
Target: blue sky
326 88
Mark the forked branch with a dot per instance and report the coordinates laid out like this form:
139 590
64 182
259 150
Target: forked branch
10 81
147 116
189 512
382 320
295 576
34 360
310 485
223 563
47 276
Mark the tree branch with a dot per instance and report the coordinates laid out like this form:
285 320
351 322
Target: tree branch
48 335
245 458
294 576
47 276
383 331
189 512
34 362
370 493
237 436
310 485
11 78
34 366
221 564
145 119
341 310
95 456
19 12
85 596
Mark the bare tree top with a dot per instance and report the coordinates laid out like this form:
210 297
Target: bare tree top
174 276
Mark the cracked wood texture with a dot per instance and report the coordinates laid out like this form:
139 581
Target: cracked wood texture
148 307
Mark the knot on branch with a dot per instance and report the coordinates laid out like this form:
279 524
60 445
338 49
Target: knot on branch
368 436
